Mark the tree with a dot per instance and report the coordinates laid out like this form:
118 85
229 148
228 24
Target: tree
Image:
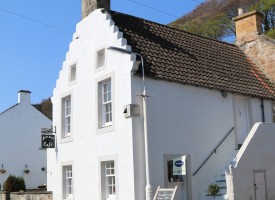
271 33
45 106
214 27
267 7
213 18
14 184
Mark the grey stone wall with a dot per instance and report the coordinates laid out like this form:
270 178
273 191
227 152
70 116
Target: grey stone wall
262 52
26 196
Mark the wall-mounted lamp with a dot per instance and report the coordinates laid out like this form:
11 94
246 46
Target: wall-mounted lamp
224 93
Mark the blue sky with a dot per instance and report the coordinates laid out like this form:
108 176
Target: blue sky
32 53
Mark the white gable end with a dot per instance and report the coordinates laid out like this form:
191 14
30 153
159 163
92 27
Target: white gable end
88 136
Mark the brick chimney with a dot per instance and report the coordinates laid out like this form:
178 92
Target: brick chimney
24 97
248 26
89 6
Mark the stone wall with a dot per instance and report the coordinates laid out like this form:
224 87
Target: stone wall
262 52
26 196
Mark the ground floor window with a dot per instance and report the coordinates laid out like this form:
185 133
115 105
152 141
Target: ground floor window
108 180
67 181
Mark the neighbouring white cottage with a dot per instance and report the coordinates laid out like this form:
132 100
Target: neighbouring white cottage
204 96
20 143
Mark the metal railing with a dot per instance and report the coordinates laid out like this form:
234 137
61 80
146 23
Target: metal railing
213 151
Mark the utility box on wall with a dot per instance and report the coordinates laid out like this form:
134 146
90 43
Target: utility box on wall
131 110
177 169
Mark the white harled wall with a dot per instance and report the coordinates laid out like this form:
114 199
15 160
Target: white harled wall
21 142
88 144
181 120
187 120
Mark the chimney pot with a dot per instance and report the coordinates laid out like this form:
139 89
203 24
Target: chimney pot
240 11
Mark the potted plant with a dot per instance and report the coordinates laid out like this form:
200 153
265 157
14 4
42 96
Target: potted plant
26 171
213 190
42 186
2 170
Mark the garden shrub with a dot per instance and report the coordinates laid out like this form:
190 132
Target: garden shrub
14 184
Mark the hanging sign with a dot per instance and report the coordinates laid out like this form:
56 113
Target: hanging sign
48 141
48 130
179 166
165 193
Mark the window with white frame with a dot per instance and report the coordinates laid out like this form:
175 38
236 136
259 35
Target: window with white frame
66 116
100 58
109 180
73 73
105 103
67 181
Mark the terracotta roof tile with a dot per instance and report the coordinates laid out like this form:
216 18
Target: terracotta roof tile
179 56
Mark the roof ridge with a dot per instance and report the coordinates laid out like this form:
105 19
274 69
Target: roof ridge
227 43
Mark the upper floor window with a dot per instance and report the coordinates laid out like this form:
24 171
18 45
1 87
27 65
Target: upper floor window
105 103
100 58
66 116
67 181
72 75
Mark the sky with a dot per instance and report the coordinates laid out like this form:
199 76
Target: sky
35 36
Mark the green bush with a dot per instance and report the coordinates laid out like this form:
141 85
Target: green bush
213 190
14 184
271 33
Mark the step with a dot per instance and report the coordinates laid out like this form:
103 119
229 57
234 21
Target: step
209 197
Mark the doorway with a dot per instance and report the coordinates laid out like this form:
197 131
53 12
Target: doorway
260 185
241 115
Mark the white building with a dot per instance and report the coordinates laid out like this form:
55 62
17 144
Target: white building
200 90
20 142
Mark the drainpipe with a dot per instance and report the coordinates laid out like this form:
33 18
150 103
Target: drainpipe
148 187
262 107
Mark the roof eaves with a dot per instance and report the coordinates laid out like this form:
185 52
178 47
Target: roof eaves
9 109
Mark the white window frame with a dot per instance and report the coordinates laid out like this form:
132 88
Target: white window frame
108 177
103 126
67 181
100 58
66 116
72 73
106 103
